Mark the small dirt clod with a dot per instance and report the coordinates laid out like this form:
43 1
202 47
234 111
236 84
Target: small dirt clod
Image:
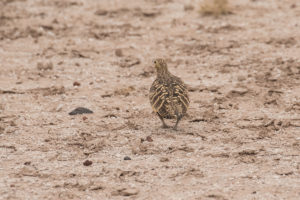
87 163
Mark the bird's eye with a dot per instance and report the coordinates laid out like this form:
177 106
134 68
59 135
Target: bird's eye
154 61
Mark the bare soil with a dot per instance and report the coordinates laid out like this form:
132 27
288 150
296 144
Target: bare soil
240 140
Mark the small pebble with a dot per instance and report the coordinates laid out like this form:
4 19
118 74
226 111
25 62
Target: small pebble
87 163
127 158
27 163
149 139
76 83
119 52
164 159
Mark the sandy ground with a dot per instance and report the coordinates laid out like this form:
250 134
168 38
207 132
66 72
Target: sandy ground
240 140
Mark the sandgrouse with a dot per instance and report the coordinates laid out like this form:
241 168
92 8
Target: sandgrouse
168 95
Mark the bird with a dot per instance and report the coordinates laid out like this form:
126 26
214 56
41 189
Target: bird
168 94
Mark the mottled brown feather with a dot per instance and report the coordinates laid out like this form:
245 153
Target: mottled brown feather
168 94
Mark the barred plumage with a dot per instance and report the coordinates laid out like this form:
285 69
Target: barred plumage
168 94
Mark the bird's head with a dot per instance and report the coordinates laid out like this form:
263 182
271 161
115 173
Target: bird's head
160 66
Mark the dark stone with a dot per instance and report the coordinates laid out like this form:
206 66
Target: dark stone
87 163
127 158
81 110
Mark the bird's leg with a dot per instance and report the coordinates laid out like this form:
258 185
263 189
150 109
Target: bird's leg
178 118
162 119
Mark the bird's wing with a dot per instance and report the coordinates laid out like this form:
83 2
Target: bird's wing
158 95
180 96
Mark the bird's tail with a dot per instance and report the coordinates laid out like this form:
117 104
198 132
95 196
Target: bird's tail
176 108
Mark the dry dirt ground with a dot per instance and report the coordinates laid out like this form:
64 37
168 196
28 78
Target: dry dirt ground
241 139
